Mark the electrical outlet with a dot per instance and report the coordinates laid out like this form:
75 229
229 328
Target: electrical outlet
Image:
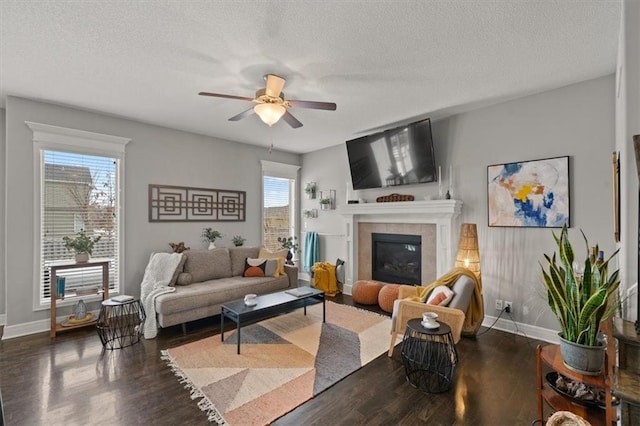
507 306
498 304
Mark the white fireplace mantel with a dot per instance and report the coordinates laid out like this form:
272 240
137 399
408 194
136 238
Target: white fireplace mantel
442 213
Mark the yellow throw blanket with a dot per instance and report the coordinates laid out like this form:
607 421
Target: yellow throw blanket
475 311
324 277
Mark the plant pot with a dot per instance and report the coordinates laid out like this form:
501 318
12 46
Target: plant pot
211 245
325 206
82 257
582 359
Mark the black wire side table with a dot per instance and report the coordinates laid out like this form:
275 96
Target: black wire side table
429 357
120 323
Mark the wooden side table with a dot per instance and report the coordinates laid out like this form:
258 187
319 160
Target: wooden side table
429 356
55 297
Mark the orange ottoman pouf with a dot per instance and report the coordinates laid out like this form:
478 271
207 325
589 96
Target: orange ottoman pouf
387 296
366 292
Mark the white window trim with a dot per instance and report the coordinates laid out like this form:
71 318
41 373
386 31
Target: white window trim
286 171
48 137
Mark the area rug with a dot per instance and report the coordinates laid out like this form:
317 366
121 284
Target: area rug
284 361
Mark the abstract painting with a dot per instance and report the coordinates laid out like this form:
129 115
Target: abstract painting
529 193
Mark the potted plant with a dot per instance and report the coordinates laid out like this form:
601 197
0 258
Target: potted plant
211 235
238 240
325 203
310 190
290 243
581 295
81 245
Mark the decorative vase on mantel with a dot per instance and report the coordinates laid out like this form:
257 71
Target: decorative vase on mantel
82 257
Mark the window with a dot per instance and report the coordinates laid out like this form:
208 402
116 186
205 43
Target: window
279 202
78 181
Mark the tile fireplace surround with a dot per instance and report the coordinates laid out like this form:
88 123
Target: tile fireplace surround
402 218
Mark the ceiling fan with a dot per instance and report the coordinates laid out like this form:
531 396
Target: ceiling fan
271 104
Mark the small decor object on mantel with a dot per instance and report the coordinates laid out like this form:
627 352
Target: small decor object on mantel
394 197
81 245
581 295
211 235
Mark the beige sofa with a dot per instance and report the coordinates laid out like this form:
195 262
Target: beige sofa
209 278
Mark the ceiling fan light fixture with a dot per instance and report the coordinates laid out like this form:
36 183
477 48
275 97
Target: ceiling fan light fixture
269 113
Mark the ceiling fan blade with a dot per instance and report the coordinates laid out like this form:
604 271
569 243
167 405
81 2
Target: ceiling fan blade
219 95
274 85
329 106
242 115
291 120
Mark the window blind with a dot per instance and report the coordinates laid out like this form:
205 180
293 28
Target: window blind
79 192
278 202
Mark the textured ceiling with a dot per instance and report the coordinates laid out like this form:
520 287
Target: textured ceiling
382 62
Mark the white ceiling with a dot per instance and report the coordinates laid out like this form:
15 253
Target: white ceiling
382 62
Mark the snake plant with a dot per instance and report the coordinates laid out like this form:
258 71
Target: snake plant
580 296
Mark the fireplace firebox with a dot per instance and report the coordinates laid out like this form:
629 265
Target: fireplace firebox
396 258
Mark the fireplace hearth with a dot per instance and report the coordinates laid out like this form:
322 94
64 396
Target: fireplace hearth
396 258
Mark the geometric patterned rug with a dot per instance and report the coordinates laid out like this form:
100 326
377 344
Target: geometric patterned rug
284 361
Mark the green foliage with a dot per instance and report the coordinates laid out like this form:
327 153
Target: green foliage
81 243
581 296
290 243
238 240
210 235
325 200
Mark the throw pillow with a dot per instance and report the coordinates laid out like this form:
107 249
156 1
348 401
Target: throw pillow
280 254
179 269
184 278
254 267
440 296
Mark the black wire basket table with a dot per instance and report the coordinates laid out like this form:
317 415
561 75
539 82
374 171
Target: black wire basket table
120 324
429 357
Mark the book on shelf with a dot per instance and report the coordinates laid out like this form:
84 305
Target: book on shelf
300 291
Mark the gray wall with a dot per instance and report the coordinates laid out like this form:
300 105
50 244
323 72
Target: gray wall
576 120
155 155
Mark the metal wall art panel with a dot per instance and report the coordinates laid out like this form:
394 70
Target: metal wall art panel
169 203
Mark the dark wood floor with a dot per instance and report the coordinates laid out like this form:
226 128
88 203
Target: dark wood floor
72 381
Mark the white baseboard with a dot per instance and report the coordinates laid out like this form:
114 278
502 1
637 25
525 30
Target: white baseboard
526 330
33 327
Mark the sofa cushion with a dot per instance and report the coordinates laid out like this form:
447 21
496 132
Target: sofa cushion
204 265
179 269
280 254
184 278
238 256
441 296
254 267
215 292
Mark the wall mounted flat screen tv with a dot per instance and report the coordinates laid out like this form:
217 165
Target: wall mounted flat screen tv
399 156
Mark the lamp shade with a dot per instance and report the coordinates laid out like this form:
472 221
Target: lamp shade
468 251
269 113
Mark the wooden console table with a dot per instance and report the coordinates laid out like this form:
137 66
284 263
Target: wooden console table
55 297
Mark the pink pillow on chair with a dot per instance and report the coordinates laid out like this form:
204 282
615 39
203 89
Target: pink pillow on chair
440 296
